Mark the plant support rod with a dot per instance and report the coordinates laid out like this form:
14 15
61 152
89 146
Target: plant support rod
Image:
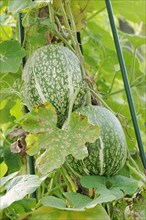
126 82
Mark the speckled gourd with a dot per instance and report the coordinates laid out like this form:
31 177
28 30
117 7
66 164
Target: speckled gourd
53 73
109 152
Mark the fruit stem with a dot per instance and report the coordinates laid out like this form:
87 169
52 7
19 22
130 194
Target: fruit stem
88 98
71 185
71 28
136 172
72 170
56 32
133 162
100 99
71 107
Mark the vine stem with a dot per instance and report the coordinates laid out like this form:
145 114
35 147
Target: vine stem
71 107
104 103
96 13
133 65
71 185
56 32
136 172
134 163
73 171
135 83
72 33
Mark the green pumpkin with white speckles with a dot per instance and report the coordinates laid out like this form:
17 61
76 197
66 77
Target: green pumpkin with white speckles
52 74
109 152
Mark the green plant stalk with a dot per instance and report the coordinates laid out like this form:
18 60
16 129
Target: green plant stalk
142 177
104 103
88 98
135 83
56 32
12 212
51 13
4 138
55 188
73 26
60 26
69 182
73 37
133 162
96 13
137 80
72 170
67 24
112 84
51 184
8 213
71 107
77 47
133 65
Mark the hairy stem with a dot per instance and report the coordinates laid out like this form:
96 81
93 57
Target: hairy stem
100 99
71 107
71 185
138 174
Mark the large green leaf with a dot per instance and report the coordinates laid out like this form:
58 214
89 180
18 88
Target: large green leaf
5 179
13 161
26 5
73 202
56 143
41 118
52 201
48 213
131 10
135 40
60 143
18 188
77 200
11 55
109 188
17 5
5 116
105 36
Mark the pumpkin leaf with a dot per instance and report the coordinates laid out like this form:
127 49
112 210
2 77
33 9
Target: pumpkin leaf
135 40
5 179
41 123
77 200
50 213
53 202
109 188
11 55
69 141
41 118
73 202
3 169
18 188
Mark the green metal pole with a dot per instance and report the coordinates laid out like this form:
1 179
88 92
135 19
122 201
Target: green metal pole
126 82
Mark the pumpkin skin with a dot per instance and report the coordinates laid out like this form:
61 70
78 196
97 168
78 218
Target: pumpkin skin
109 152
52 74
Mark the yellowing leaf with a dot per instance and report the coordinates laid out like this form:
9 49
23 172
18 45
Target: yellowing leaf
3 169
56 143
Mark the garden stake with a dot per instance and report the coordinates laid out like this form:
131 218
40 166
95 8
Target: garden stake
21 29
126 82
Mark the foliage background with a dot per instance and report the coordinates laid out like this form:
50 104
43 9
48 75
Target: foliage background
100 61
